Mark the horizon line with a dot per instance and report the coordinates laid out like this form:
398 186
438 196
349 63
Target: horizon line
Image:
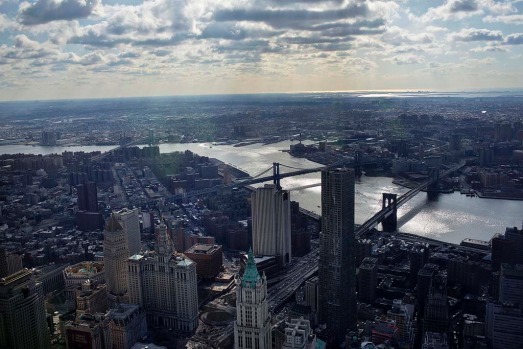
362 91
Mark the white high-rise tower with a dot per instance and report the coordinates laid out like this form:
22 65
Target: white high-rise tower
130 222
271 222
252 329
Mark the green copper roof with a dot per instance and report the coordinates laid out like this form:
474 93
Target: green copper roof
251 275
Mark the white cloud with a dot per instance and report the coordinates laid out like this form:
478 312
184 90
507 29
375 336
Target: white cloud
507 19
473 34
406 59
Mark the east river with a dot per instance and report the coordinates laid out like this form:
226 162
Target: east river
450 218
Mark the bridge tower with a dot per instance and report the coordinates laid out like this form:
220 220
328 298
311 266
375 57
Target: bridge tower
433 188
276 175
390 223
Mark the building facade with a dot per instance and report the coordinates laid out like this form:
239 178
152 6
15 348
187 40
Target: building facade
208 259
127 325
23 322
367 280
271 223
504 325
116 255
130 222
336 268
164 283
252 329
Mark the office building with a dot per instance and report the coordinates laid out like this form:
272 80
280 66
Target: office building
418 256
297 334
208 259
87 216
436 318
402 315
130 222
87 197
336 268
507 248
79 273
127 325
504 325
23 322
91 298
164 283
3 262
433 340
252 328
115 257
311 293
271 223
425 276
368 280
88 331
511 283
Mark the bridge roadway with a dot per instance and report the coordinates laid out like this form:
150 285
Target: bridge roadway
387 211
270 178
104 154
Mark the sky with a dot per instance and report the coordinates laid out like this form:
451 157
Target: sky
56 49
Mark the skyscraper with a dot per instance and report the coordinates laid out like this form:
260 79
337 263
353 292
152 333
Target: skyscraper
115 257
87 217
336 269
252 328
271 222
164 283
22 313
130 222
367 280
87 197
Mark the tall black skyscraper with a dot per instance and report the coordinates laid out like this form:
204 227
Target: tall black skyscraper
87 217
87 197
337 266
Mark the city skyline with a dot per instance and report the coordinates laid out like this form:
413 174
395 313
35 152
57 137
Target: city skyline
51 49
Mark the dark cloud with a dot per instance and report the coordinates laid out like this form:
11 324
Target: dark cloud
477 35
313 40
294 2
45 11
287 18
514 39
220 30
463 6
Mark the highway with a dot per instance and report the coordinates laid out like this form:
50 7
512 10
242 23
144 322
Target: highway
293 278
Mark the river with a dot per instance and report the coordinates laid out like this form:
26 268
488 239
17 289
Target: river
450 218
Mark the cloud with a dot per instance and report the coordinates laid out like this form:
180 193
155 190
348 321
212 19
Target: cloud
452 9
490 48
237 31
291 18
507 19
459 9
406 59
153 23
397 36
25 48
473 34
45 11
514 39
